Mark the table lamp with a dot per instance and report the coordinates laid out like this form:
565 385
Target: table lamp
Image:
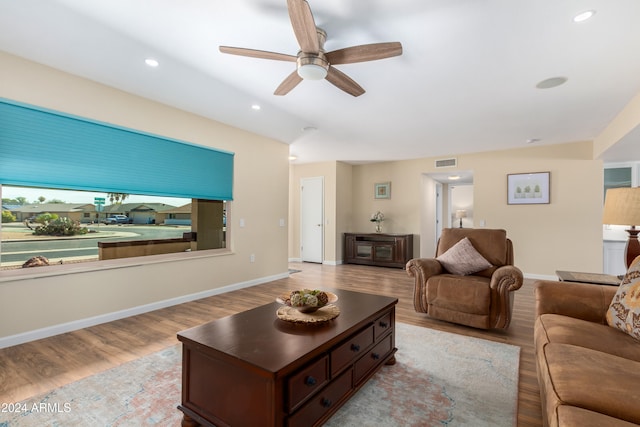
622 207
461 213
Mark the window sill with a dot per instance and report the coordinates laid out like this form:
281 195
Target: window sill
91 266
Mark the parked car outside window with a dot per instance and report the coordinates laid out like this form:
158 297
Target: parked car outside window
118 219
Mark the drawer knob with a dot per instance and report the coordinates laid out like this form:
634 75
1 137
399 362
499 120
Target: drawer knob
383 324
326 402
310 381
355 347
375 356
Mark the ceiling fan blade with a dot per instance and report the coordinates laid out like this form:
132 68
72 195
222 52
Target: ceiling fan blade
287 84
365 52
263 54
304 26
344 82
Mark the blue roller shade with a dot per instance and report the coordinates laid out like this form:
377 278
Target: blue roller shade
44 148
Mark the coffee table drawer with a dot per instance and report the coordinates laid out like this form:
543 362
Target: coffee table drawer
373 358
308 380
326 401
351 349
382 325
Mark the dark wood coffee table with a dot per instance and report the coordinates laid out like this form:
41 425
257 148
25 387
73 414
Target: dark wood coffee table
253 369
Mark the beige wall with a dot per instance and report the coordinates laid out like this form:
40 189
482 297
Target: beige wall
565 234
40 301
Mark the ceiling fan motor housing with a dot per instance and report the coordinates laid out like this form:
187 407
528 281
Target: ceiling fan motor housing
312 65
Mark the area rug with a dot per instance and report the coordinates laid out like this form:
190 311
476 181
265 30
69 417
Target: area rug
440 379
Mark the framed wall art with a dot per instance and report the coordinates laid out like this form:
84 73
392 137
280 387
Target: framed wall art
528 188
382 190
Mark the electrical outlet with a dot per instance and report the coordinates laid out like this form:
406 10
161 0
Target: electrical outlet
252 258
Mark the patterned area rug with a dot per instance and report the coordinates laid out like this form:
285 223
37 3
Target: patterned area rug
440 379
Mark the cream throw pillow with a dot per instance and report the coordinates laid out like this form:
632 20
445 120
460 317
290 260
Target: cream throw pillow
463 259
624 311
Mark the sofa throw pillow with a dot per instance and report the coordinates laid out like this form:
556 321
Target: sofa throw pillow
624 311
463 259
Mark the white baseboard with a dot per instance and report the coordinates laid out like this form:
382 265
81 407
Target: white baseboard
295 259
62 328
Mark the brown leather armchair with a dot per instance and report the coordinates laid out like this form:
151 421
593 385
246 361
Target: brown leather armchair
481 300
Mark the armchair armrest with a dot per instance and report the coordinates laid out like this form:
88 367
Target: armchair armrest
424 268
506 279
579 300
421 269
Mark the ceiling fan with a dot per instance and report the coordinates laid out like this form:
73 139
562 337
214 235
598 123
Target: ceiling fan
312 62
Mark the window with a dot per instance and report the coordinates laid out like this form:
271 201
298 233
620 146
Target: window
131 226
195 183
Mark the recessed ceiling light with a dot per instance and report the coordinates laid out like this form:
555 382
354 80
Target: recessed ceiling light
532 140
583 16
454 177
551 82
255 107
292 158
151 62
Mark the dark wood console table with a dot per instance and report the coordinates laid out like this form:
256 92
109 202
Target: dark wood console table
383 250
253 369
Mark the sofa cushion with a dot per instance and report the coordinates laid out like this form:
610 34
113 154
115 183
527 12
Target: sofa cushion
573 416
590 379
560 329
463 259
624 311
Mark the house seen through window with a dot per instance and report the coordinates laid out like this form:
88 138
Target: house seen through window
43 226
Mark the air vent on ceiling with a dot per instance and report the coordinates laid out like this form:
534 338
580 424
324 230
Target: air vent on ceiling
447 163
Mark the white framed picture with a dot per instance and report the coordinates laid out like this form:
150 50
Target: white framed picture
528 188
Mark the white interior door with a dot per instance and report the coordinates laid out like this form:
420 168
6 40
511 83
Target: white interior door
312 219
439 215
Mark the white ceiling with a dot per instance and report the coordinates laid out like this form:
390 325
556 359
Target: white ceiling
465 82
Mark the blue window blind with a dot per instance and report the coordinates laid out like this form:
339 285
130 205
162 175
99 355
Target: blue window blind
44 148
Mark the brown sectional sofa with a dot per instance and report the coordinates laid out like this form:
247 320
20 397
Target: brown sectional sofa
589 372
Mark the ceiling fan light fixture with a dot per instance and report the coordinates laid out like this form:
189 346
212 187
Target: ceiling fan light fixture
312 67
312 72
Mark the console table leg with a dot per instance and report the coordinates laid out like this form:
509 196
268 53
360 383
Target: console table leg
391 361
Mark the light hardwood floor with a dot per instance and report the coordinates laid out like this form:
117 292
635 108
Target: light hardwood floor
35 367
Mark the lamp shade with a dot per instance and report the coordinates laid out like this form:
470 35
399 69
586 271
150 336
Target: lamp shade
622 206
461 213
